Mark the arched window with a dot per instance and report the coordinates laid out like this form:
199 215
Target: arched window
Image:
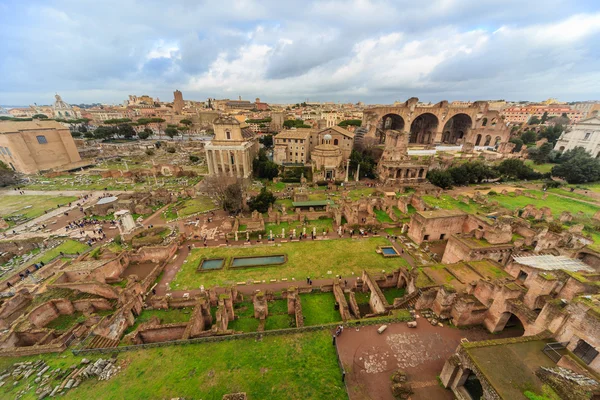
488 139
41 139
228 133
335 142
484 123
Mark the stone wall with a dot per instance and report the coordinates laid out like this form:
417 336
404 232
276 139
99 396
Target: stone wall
162 333
154 253
377 301
341 301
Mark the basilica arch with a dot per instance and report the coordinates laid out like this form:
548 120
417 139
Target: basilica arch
457 128
423 129
389 122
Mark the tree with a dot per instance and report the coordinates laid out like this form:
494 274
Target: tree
171 132
89 135
262 201
267 141
514 168
544 117
7 175
194 158
528 137
75 134
534 121
552 133
518 144
159 122
539 155
295 123
263 167
350 122
126 131
366 162
232 200
187 122
82 129
145 134
440 178
40 116
578 168
105 132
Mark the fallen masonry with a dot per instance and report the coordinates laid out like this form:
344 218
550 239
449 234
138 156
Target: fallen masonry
46 382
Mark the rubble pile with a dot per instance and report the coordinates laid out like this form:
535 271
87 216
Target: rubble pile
48 382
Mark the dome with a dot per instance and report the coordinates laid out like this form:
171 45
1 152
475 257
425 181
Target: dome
327 137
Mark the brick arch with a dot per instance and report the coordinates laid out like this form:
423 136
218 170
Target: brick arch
423 128
457 127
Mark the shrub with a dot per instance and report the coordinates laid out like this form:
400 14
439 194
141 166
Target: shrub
194 158
170 150
150 152
492 193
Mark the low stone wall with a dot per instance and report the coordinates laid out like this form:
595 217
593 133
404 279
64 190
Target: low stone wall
342 303
162 333
154 253
377 301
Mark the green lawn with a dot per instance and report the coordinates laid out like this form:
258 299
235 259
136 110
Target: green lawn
541 168
30 206
64 321
321 225
383 217
305 258
392 293
298 366
69 246
170 316
96 182
189 207
318 309
279 321
557 204
356 194
245 321
446 202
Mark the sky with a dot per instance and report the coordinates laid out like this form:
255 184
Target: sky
290 51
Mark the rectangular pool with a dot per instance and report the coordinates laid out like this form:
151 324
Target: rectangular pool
242 262
389 251
212 263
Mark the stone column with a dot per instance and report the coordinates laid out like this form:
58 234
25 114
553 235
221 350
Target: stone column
230 162
209 163
357 177
238 171
245 162
347 170
213 156
222 162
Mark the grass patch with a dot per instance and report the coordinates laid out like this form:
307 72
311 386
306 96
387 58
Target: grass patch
64 321
305 258
279 321
321 225
393 293
541 168
244 324
319 309
383 217
356 194
31 206
295 367
69 246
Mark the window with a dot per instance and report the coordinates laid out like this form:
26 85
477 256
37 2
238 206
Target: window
442 236
42 139
426 237
587 136
228 135
335 142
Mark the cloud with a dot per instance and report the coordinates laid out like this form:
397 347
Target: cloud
369 50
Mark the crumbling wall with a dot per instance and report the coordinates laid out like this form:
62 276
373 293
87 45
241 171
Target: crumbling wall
377 301
341 301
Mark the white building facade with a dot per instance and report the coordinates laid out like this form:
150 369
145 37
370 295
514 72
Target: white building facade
584 134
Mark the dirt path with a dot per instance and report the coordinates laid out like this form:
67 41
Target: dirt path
370 358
